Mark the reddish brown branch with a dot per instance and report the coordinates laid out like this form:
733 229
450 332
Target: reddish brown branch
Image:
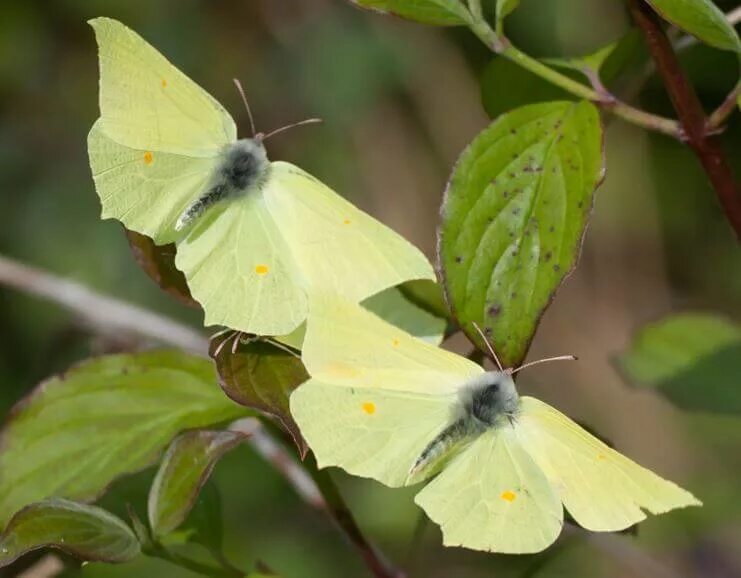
690 112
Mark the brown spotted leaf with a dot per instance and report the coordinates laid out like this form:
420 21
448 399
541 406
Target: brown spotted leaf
513 219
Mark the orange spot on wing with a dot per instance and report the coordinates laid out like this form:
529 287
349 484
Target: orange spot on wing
369 407
164 83
346 221
508 496
148 158
395 342
261 269
601 457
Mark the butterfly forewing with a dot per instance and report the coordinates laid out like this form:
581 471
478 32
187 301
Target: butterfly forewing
601 488
349 346
148 104
339 248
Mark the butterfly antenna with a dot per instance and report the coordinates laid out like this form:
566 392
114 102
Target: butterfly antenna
488 346
559 358
246 105
295 124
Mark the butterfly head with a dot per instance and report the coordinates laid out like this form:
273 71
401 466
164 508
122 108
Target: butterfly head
490 396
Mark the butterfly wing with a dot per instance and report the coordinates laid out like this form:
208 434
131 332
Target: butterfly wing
492 496
148 104
347 345
146 191
339 248
601 488
239 270
368 431
377 395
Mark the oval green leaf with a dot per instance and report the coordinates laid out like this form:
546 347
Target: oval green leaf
85 532
261 376
184 470
701 18
692 359
513 219
437 12
158 262
107 417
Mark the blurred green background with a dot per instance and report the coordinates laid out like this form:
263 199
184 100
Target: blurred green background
399 102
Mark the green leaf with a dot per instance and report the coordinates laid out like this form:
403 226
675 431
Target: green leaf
437 12
506 86
693 359
701 18
261 376
609 61
513 219
417 307
393 306
86 532
184 470
106 417
158 261
504 9
427 295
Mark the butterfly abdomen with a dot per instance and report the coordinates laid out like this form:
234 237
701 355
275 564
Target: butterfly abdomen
243 165
441 447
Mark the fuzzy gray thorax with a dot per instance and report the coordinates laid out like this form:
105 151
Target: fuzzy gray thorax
242 165
484 402
489 396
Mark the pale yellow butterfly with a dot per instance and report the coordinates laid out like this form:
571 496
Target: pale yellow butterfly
385 405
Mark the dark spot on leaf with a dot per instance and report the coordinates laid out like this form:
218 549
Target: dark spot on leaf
516 211
494 182
580 204
551 229
547 256
513 295
487 331
556 268
458 259
505 194
512 175
494 310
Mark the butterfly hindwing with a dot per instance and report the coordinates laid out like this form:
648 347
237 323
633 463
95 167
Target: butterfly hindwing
493 497
146 191
146 103
368 431
601 488
239 270
339 248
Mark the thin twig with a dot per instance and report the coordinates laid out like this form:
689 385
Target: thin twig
103 315
719 116
608 102
690 112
